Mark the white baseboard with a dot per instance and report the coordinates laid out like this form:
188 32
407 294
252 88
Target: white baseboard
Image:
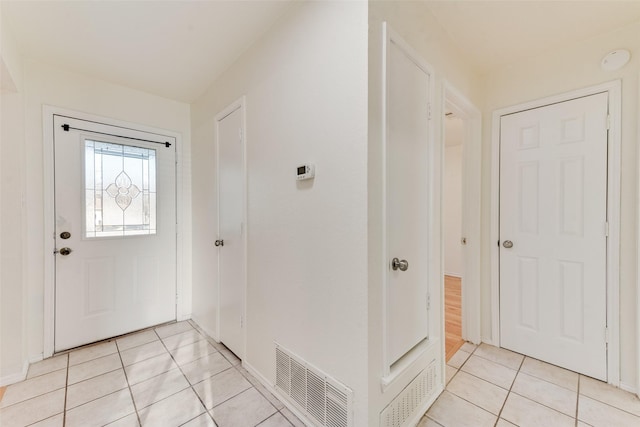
487 341
36 358
271 388
419 413
17 377
630 388
206 330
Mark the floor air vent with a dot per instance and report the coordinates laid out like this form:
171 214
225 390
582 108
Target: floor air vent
323 399
403 408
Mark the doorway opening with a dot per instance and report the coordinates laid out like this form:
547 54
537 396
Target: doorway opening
461 151
452 226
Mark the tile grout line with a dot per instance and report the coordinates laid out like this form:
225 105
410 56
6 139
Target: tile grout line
66 387
37 395
596 399
126 378
578 399
206 411
509 391
235 367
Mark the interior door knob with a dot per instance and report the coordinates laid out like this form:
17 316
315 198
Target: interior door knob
219 242
507 244
64 251
401 265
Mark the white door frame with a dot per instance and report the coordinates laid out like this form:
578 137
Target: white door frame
462 108
614 90
49 212
637 391
390 36
238 104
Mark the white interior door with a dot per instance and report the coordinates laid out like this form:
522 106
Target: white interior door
115 228
553 213
407 202
231 230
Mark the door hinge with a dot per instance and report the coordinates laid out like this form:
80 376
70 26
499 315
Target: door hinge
429 111
606 335
428 301
606 229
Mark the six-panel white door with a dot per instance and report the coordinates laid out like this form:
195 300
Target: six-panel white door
407 201
231 231
115 228
553 213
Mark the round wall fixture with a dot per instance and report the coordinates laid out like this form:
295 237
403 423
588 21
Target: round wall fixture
615 60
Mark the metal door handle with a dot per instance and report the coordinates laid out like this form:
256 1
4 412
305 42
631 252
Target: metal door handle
219 242
63 251
507 244
396 264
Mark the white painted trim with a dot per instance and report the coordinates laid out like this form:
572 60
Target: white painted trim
48 112
456 275
238 104
276 392
614 89
17 377
390 36
637 391
628 388
471 196
414 420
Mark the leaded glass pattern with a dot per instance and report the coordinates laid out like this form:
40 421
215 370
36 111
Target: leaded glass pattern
120 190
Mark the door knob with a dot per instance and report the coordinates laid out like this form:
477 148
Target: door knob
507 244
219 242
63 251
396 264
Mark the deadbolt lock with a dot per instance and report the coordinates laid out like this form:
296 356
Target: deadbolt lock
65 235
219 242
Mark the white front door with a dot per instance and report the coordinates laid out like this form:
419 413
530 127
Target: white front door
553 213
231 230
407 202
115 231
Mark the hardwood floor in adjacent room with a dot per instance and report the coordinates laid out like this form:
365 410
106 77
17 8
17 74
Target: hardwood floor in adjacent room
453 315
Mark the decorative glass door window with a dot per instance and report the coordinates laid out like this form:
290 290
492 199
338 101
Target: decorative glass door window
120 190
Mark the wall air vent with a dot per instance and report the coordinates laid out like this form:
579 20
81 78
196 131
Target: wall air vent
401 411
321 398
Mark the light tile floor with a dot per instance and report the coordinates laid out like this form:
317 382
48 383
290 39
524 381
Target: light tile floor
489 386
172 375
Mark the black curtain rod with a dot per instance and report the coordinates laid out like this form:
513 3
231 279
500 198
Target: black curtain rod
67 127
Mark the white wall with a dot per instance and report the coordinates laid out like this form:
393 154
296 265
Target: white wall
13 348
452 208
417 26
562 70
44 85
305 83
